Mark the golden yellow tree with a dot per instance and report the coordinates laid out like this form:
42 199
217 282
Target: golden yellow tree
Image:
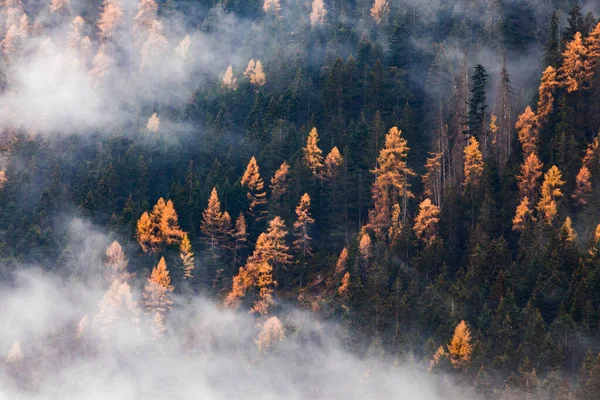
240 238
391 176
531 172
592 43
527 131
333 163
158 289
187 256
302 225
117 301
264 283
110 18
426 222
212 226
545 103
279 183
271 333
255 73
272 6
547 205
573 72
229 81
592 152
312 153
396 226
146 15
159 228
318 13
460 348
380 10
583 190
153 124
116 262
566 230
473 163
256 190
523 214
342 262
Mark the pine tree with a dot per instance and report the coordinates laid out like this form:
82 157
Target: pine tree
573 72
550 193
460 348
476 117
531 172
552 57
318 13
312 153
426 222
527 131
187 257
256 191
302 226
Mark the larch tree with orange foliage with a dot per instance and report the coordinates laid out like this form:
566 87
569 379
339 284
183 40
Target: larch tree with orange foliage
279 187
392 175
146 15
212 226
111 17
547 206
583 189
313 157
472 163
531 172
187 257
302 225
240 239
229 80
592 43
60 6
592 154
573 73
158 289
426 222
116 262
432 179
116 303
272 6
527 131
256 194
332 165
318 13
523 215
159 228
264 284
380 10
153 47
396 226
271 333
255 73
460 348
548 86
567 232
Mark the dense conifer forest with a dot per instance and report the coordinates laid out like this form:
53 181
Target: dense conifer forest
304 198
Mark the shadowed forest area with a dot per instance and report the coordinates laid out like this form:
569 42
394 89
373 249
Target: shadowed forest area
289 186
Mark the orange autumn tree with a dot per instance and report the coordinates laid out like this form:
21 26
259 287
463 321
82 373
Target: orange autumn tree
391 179
527 131
159 228
271 333
426 222
256 194
460 348
229 81
302 225
531 172
523 214
333 163
473 163
187 257
212 224
583 189
547 206
432 179
318 13
573 72
255 73
592 43
116 262
265 284
380 10
279 187
313 158
158 289
548 85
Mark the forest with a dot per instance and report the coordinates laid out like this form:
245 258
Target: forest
303 199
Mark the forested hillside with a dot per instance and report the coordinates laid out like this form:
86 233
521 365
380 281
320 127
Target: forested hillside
418 179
